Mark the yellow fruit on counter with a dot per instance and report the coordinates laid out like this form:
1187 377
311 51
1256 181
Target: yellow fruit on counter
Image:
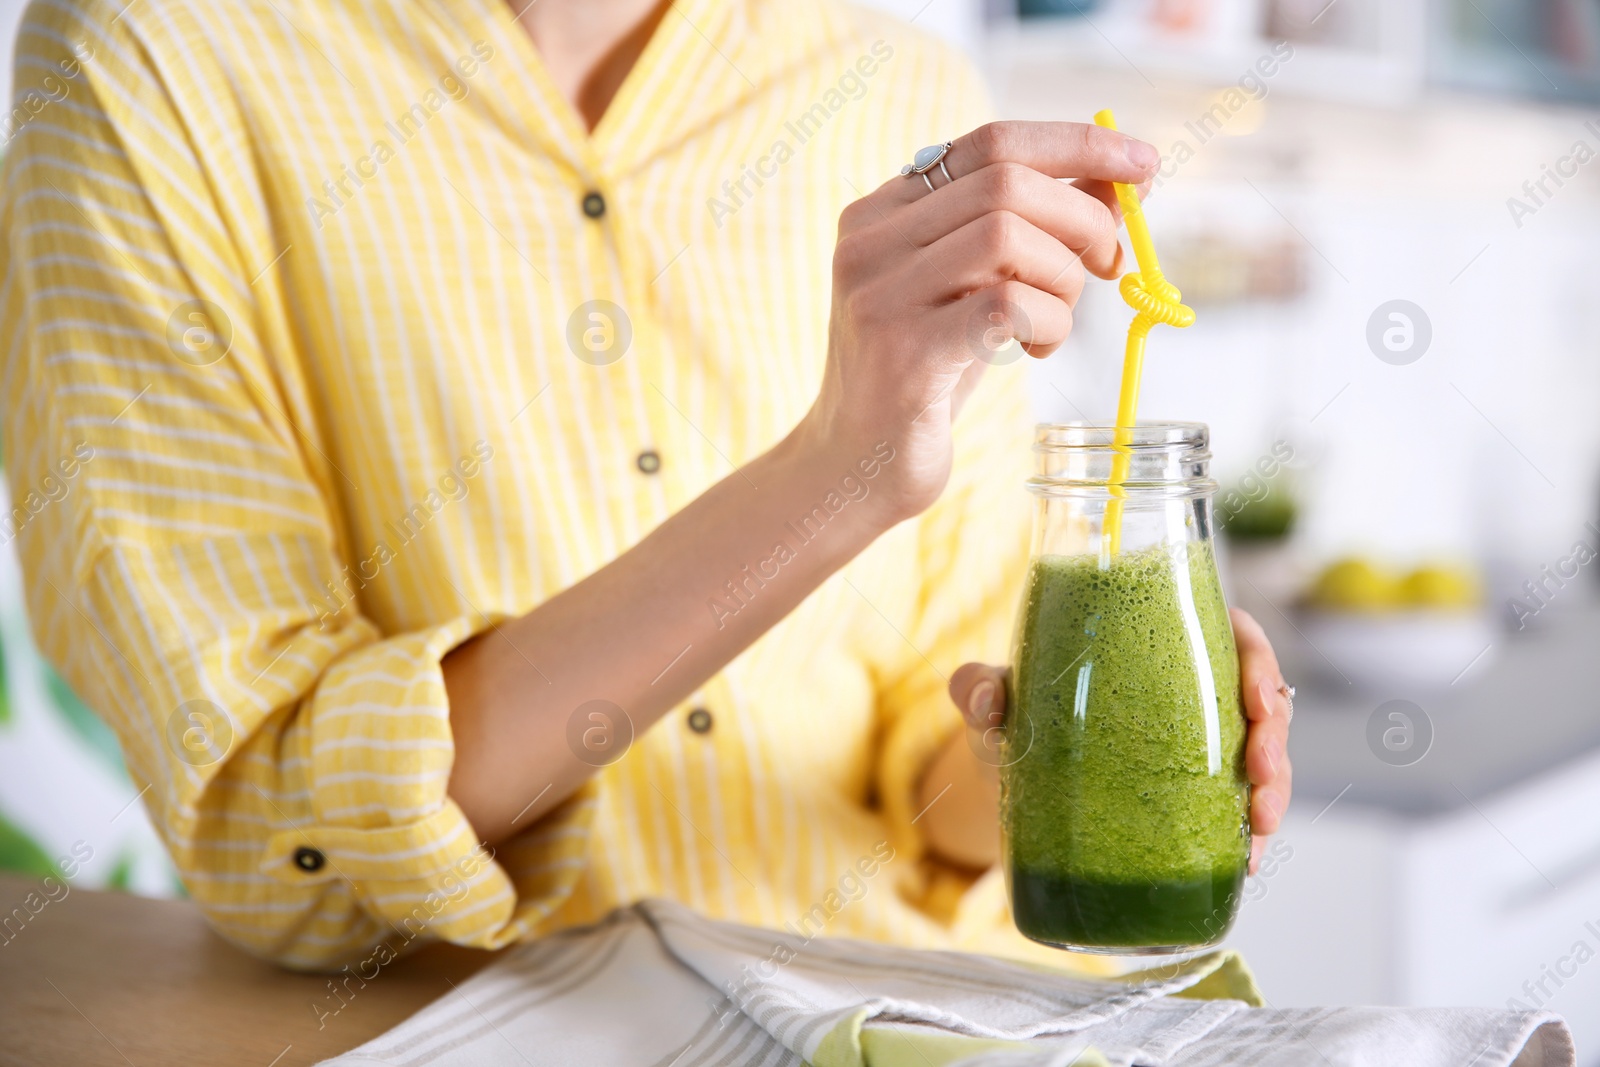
1354 584
1441 586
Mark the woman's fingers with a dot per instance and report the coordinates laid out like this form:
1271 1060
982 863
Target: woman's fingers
1054 149
1080 221
1107 194
980 325
1000 246
1258 664
1270 773
1004 219
979 692
1266 754
1050 149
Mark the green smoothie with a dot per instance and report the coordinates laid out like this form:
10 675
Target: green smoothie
1123 796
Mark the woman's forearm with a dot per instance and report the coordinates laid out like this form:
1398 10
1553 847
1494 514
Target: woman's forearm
649 628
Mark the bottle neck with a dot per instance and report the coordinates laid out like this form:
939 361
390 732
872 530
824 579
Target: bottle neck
1162 461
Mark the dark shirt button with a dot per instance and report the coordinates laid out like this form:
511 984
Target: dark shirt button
309 859
594 205
700 721
649 461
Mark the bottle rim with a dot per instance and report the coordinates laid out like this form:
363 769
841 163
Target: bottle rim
1167 459
1145 436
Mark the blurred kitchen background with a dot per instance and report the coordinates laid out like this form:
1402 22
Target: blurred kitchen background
1386 214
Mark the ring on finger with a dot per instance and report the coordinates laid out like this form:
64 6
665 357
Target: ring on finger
1288 698
925 160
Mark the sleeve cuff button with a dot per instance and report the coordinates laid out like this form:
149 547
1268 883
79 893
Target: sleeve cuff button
309 859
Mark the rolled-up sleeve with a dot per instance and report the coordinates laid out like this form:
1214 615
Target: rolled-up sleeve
185 561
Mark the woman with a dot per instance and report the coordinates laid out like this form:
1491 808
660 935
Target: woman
494 509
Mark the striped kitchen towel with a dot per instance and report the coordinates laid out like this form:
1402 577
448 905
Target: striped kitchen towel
655 985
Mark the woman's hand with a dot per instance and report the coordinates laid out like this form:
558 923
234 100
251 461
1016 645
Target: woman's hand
929 287
979 691
1266 747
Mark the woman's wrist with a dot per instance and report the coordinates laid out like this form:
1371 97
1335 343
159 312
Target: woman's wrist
852 481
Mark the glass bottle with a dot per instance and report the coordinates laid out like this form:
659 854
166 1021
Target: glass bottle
1124 803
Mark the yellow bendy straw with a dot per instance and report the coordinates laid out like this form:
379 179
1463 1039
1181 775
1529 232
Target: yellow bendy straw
1153 299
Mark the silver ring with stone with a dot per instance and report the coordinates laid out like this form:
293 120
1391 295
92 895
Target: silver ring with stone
1288 696
925 160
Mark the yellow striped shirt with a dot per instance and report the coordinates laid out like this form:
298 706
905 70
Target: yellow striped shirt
333 337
